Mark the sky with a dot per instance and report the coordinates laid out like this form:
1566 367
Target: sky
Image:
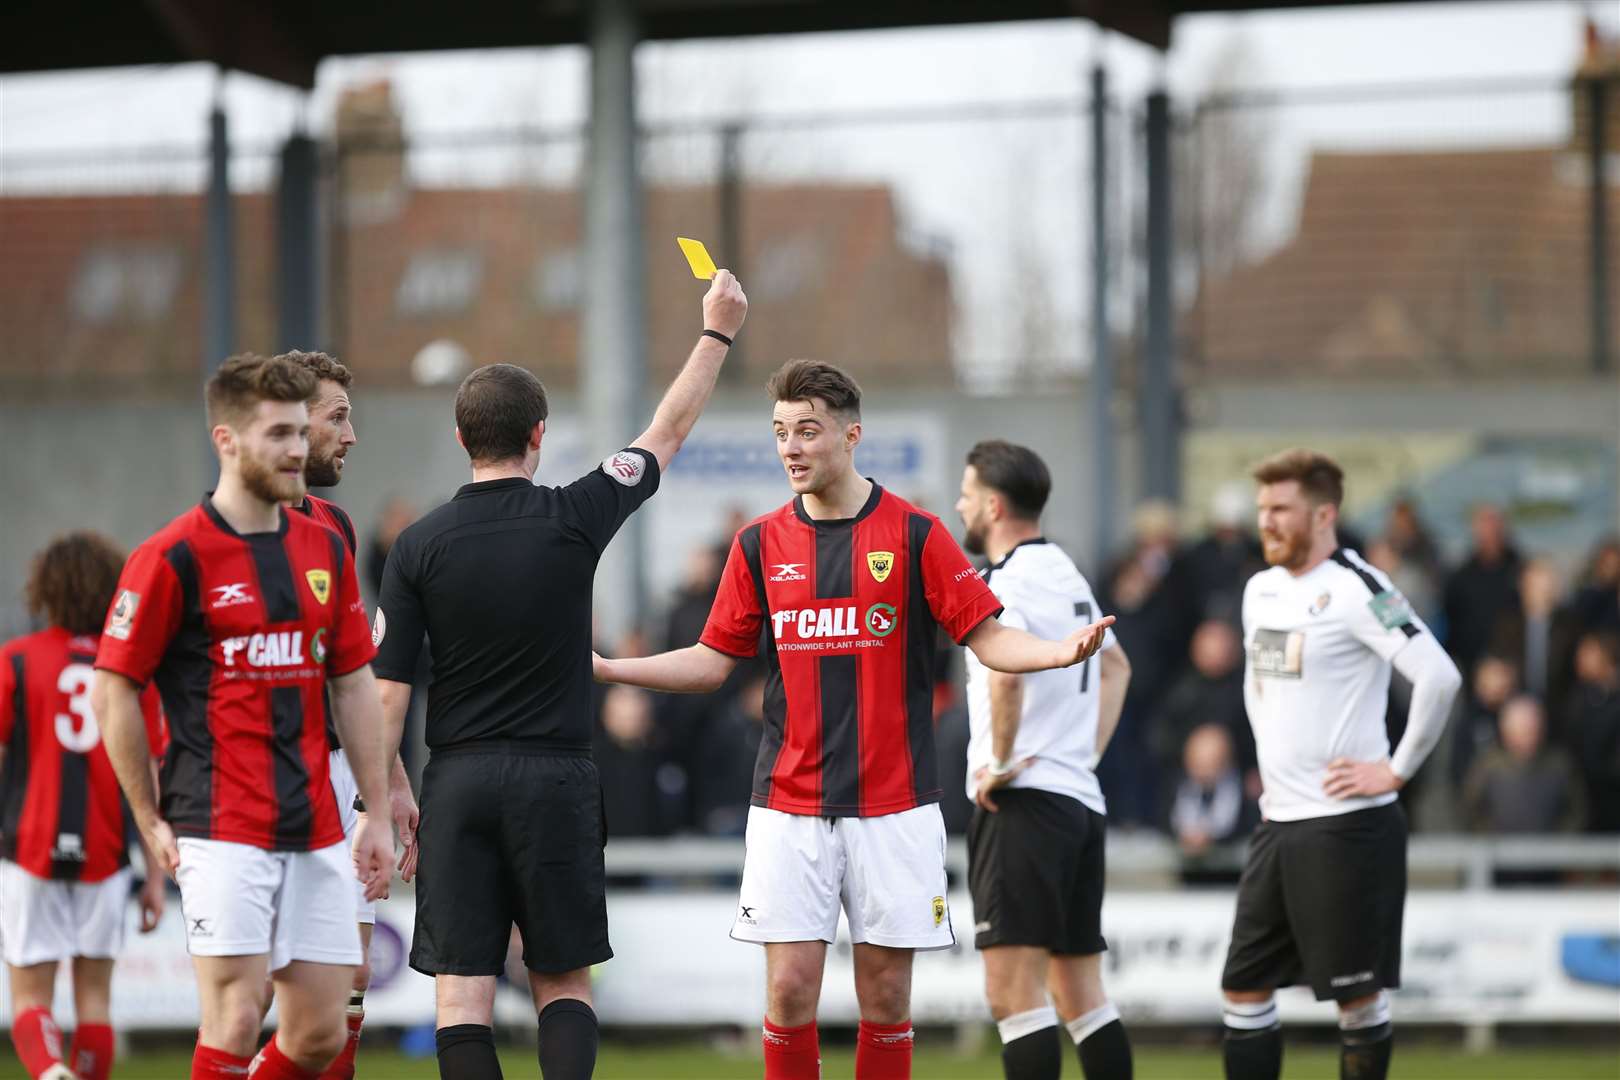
1004 198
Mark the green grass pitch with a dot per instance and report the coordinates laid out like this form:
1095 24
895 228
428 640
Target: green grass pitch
689 1062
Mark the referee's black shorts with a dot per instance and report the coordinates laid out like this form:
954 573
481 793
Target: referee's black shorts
509 837
1320 902
1035 870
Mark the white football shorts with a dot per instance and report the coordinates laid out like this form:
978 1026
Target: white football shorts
887 873
239 900
43 920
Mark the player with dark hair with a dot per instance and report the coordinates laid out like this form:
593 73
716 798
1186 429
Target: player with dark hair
1324 889
331 437
500 580
64 862
243 615
1035 846
848 585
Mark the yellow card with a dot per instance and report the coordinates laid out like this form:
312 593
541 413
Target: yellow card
698 256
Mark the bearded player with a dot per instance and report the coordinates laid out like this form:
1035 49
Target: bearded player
245 615
849 584
331 436
64 862
1324 888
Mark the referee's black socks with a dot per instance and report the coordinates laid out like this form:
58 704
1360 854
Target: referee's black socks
467 1052
1367 1040
1253 1048
568 1039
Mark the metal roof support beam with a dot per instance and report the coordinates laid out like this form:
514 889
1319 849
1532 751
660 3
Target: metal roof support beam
298 245
614 344
1104 494
219 246
1159 393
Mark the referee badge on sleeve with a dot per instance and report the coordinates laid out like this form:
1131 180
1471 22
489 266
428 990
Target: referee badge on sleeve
625 467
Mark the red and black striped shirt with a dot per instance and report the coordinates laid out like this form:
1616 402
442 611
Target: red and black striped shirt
850 610
240 633
61 813
335 518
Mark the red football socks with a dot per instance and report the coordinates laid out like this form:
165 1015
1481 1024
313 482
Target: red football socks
210 1064
272 1064
883 1052
92 1053
792 1053
38 1040
342 1068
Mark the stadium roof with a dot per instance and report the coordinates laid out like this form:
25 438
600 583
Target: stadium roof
285 40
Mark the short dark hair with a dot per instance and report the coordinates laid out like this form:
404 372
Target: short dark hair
497 407
1318 475
1015 472
242 381
801 380
324 366
72 581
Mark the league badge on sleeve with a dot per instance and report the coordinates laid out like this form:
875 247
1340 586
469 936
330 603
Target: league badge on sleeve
122 616
625 467
1391 609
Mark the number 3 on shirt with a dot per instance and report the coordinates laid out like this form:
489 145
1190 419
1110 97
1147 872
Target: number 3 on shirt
79 736
1082 611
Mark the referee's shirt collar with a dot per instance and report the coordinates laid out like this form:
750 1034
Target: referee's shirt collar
482 486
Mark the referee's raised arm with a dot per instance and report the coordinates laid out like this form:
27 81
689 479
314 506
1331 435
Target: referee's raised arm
724 308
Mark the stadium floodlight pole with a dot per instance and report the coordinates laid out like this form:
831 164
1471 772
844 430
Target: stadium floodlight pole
613 349
1102 355
219 282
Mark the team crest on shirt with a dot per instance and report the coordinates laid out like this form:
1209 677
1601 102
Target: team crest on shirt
320 583
939 909
880 563
122 616
1321 603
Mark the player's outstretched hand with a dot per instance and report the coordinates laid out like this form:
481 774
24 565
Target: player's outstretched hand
373 852
160 838
599 669
151 900
724 305
1084 642
1348 779
985 781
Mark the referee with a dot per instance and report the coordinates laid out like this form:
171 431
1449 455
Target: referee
1322 895
500 581
1035 848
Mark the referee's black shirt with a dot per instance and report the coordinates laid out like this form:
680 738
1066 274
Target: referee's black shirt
500 579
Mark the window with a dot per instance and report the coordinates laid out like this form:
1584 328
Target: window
439 282
555 283
137 284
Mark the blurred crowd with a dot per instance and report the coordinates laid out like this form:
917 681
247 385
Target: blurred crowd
1533 745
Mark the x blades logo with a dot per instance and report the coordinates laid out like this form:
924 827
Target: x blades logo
231 595
787 571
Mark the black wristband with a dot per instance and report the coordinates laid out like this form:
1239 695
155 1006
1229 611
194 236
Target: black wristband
718 336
